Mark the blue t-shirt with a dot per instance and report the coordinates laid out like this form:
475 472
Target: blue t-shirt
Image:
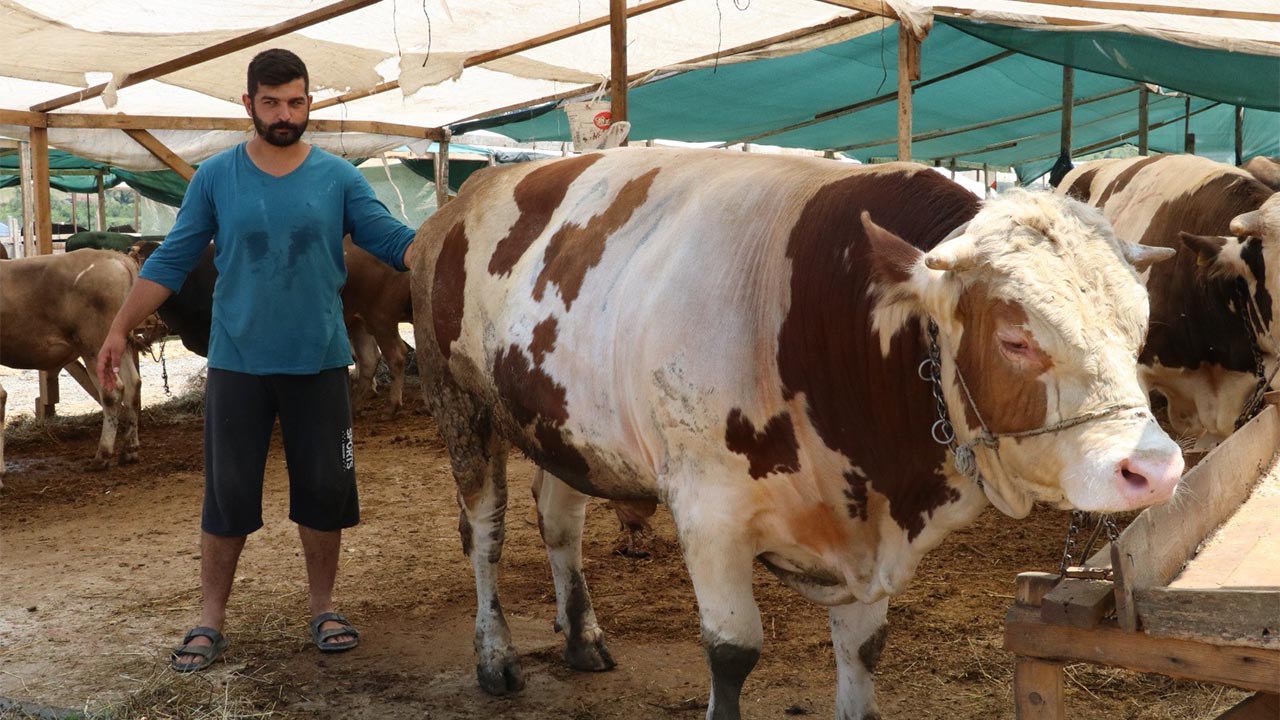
278 250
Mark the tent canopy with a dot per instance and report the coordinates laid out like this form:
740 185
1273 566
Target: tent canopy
1225 51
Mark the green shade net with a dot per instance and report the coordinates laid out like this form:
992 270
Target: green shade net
1004 112
165 186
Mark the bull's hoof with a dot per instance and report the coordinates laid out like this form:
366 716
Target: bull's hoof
98 463
589 655
501 675
130 457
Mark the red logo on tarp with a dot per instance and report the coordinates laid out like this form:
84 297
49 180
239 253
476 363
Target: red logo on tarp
603 120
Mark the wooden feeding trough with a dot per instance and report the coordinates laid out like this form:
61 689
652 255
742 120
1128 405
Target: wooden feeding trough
1193 589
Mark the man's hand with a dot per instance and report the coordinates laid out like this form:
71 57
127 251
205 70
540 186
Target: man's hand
109 359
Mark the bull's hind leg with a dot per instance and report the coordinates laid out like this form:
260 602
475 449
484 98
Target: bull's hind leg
110 402
4 398
858 632
561 511
479 459
365 349
720 557
395 353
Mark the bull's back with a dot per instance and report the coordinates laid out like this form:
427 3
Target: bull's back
54 308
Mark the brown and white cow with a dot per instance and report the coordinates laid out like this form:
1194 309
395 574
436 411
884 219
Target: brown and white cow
740 337
1214 309
54 311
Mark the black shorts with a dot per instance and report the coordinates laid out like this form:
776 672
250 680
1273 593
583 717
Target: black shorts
315 423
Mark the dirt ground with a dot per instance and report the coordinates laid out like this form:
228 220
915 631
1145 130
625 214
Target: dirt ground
98 578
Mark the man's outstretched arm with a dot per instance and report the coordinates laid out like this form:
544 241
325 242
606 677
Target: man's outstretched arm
145 298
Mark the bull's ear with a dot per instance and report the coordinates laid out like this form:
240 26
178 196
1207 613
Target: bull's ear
891 257
1142 257
1207 248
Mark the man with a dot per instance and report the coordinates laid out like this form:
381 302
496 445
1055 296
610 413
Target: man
276 209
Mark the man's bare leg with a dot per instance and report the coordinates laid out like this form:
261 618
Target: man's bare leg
321 551
218 558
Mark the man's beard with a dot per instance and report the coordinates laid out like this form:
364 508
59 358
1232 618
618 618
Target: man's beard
280 134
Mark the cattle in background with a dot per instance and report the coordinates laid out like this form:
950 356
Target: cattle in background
739 336
55 310
1214 323
1266 170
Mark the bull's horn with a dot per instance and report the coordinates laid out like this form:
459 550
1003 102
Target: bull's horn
956 255
1249 223
1142 257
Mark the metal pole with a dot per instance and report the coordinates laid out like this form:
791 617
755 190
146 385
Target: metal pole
1068 102
1240 135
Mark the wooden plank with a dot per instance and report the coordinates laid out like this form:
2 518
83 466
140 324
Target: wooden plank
1161 539
226 47
1239 135
1259 706
1243 551
162 153
908 46
442 175
26 177
377 127
1206 12
22 117
873 7
40 190
1031 587
1037 690
491 55
1077 602
1144 122
102 204
1244 667
1068 106
1227 616
1126 606
164 122
618 60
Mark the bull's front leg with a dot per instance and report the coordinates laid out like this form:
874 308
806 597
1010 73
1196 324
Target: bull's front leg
365 350
130 402
395 353
561 511
858 632
720 557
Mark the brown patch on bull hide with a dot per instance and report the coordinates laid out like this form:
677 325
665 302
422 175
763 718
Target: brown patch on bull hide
773 449
534 398
544 340
1192 320
1079 188
871 649
448 288
575 249
873 410
1010 397
537 196
856 494
1125 177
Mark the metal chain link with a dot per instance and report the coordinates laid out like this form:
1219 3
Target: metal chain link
1254 403
1080 519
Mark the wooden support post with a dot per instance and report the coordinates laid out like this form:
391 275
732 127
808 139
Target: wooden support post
137 212
40 180
1068 105
908 71
618 53
1144 122
47 403
1188 140
102 203
28 201
75 212
1031 587
1037 690
1239 135
162 153
442 174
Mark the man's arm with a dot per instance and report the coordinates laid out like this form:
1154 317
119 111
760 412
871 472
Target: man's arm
372 226
145 298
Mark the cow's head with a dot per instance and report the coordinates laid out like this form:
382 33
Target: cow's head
1041 310
1253 254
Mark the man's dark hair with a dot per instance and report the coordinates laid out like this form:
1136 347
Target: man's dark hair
276 67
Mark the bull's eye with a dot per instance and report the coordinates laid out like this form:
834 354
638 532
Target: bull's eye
1017 347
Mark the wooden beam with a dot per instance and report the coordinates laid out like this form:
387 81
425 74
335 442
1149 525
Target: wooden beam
1243 667
1031 587
871 7
491 55
1165 9
1068 105
27 177
618 60
1144 120
1239 135
442 174
21 117
1237 615
165 122
871 102
1105 143
634 78
40 190
102 204
379 128
162 153
947 132
1078 602
217 50
908 70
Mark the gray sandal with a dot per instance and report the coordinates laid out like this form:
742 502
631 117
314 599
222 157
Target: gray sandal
206 653
322 637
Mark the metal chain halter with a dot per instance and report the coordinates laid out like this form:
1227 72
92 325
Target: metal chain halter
1079 519
1254 403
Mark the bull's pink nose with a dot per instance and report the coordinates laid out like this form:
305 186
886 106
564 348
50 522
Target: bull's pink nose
1147 480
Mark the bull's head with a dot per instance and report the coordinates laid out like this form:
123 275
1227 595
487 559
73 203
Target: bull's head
1041 316
1253 254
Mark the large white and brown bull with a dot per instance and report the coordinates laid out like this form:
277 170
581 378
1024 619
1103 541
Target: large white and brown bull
55 311
1215 310
741 338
